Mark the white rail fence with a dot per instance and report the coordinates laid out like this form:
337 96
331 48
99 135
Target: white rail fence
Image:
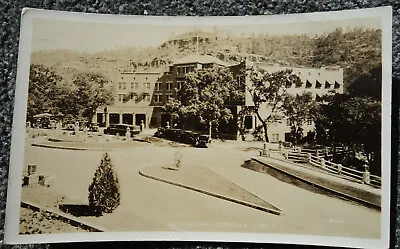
316 158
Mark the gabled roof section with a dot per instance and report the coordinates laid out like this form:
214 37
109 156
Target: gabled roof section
202 59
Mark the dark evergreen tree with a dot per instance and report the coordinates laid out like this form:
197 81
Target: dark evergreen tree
104 191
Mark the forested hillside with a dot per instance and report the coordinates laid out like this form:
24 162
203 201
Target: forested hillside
357 51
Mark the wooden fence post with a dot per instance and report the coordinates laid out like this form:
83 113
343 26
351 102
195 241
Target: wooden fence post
323 163
340 168
366 175
309 157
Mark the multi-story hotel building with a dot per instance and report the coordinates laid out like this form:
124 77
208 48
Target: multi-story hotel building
141 96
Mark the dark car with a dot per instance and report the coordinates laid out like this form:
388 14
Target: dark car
93 127
202 141
187 137
160 132
121 129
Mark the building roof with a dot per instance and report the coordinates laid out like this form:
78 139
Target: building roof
202 59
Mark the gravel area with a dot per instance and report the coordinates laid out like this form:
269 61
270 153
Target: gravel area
41 222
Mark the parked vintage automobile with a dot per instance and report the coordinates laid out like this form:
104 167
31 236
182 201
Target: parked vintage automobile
93 127
160 132
202 141
183 136
121 129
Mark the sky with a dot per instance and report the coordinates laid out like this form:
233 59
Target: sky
94 37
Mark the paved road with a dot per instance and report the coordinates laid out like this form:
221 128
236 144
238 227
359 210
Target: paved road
151 205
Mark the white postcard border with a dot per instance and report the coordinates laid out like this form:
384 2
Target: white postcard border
18 131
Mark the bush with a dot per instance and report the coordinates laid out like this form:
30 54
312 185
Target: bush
104 192
258 133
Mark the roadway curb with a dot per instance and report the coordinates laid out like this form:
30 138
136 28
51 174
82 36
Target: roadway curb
70 219
82 149
338 193
223 197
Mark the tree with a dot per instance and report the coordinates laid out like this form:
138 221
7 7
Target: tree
104 191
268 92
298 109
92 91
368 84
45 91
354 122
205 95
177 112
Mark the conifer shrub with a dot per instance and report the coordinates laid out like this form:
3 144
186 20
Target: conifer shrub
104 191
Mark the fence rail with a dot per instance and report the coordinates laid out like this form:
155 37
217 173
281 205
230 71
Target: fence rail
360 176
320 159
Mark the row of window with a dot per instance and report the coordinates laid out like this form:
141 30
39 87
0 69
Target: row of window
133 85
122 96
309 122
309 73
185 69
248 122
158 98
158 85
317 85
169 84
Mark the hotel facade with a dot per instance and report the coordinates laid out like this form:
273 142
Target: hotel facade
141 96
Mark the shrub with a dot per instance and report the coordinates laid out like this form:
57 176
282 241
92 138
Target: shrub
104 192
258 133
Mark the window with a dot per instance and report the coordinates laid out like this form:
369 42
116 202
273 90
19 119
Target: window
121 97
122 85
168 97
308 84
186 69
169 86
309 121
327 85
157 98
248 122
179 85
179 69
157 86
288 123
148 86
318 85
136 86
337 85
148 97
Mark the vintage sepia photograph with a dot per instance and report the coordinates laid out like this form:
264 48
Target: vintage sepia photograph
272 127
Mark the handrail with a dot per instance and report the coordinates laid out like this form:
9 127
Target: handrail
342 170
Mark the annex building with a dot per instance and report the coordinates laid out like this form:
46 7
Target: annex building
317 81
141 96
